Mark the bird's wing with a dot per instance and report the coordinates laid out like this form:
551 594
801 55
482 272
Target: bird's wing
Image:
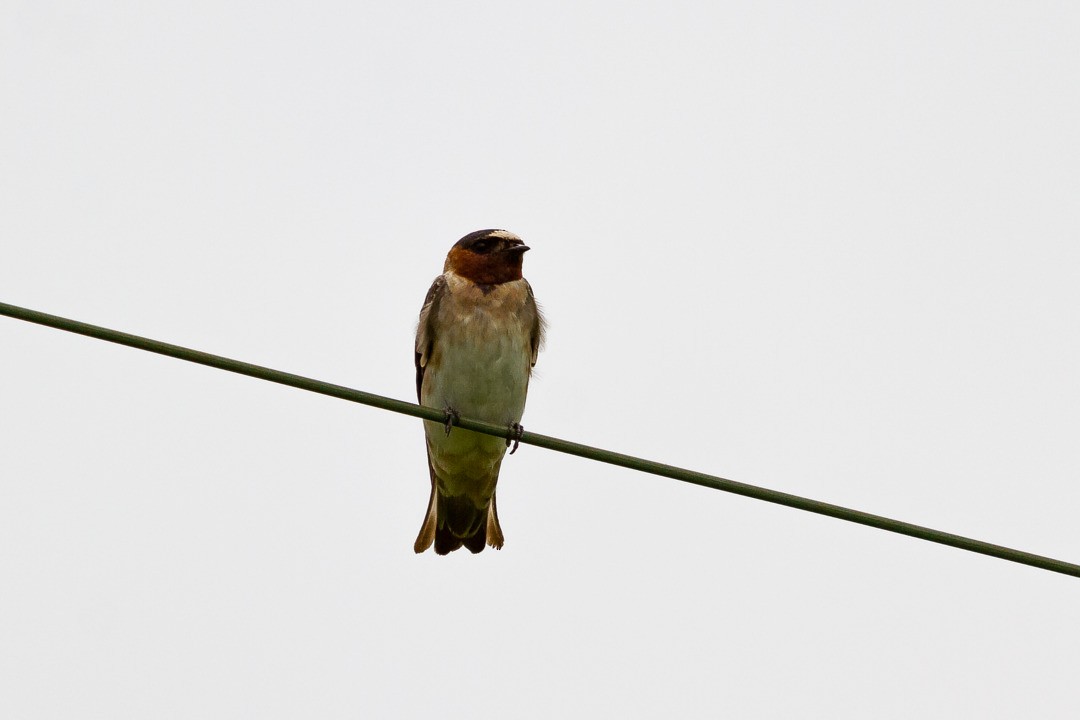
425 332
539 326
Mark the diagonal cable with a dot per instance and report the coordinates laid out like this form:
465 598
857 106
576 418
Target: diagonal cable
544 441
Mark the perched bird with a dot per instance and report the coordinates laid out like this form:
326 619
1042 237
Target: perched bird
476 344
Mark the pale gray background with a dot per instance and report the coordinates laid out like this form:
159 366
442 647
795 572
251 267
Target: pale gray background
830 248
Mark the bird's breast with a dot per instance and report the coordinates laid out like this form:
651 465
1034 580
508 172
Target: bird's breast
480 358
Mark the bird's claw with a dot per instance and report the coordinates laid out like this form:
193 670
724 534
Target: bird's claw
452 418
516 431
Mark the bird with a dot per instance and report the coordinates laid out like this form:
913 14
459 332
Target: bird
477 339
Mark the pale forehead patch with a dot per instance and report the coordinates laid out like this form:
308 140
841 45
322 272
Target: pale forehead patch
505 235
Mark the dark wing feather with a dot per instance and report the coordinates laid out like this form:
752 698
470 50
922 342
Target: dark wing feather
425 336
425 333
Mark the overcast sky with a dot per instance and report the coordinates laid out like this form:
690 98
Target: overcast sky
829 248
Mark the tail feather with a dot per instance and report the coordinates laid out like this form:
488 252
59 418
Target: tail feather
494 530
455 522
445 542
460 523
428 529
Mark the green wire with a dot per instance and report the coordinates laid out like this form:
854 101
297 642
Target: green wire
544 441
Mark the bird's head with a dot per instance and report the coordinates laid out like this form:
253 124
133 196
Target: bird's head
487 257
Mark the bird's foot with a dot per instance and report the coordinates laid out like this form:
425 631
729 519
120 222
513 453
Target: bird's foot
452 418
516 431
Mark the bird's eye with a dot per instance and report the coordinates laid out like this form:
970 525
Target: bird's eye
482 246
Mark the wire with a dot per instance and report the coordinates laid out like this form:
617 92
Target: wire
544 441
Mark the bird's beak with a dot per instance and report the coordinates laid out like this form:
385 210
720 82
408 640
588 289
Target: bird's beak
517 248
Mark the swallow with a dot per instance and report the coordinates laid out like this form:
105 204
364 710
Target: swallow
476 344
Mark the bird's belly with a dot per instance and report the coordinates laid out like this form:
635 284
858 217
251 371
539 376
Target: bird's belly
485 377
482 375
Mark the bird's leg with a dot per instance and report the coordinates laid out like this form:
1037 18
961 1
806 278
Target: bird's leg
452 418
516 431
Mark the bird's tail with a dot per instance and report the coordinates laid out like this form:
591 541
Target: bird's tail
453 522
